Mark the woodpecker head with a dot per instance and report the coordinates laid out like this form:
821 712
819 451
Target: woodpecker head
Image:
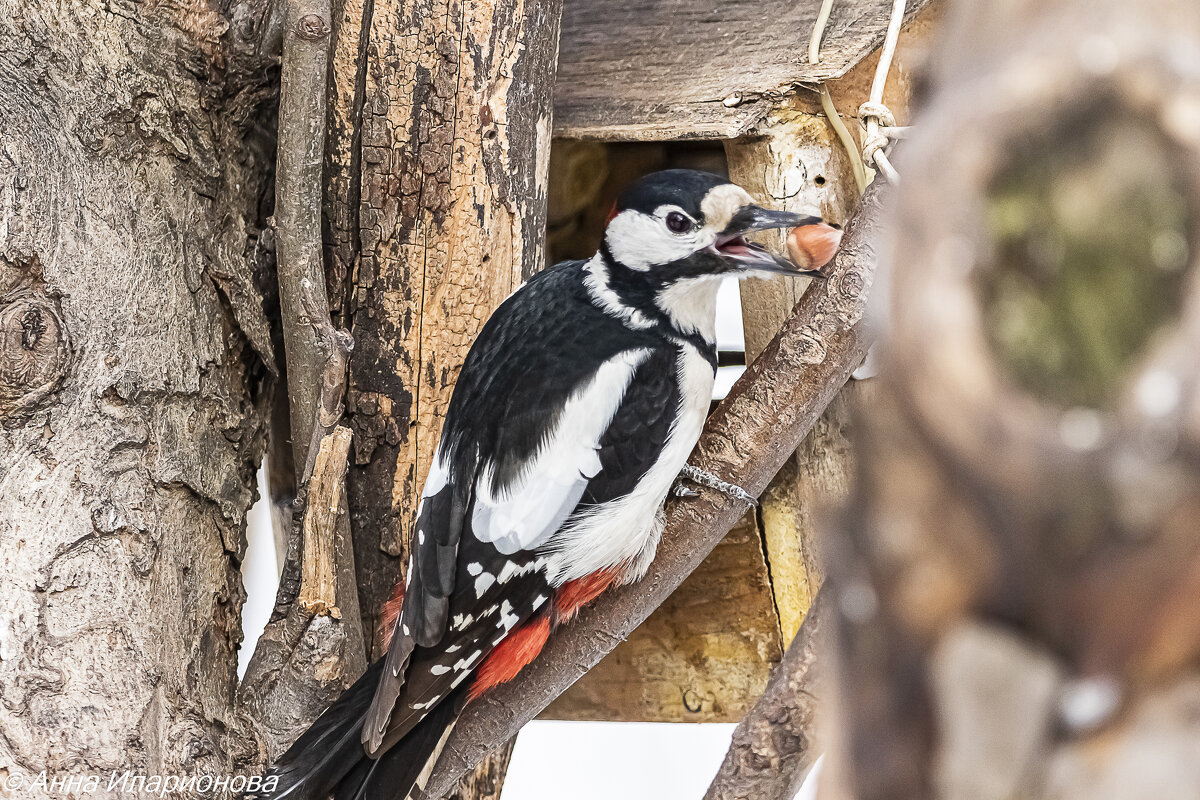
679 225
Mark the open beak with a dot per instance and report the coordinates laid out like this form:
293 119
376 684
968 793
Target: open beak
752 257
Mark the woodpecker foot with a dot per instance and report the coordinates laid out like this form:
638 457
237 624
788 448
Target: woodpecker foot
705 478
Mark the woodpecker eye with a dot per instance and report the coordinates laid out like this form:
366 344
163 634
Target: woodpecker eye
678 223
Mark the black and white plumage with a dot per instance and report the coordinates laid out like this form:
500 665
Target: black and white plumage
574 412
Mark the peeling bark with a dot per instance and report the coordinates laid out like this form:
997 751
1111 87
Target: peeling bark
134 368
440 145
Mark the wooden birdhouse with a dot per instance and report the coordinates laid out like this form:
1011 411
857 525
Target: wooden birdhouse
729 89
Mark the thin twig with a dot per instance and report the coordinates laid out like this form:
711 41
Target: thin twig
328 411
316 620
747 439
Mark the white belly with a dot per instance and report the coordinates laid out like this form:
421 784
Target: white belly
625 532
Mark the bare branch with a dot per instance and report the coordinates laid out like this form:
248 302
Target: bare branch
773 746
747 439
313 647
298 207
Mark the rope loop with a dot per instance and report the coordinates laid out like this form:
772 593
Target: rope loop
881 114
880 129
873 145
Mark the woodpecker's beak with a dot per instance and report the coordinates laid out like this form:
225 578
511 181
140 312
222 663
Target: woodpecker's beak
752 257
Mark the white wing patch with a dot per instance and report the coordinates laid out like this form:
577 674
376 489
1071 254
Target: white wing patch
624 532
525 515
436 480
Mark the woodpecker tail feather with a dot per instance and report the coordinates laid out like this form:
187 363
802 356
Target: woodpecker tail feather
328 759
400 772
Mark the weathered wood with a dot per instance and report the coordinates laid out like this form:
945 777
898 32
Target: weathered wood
775 744
442 124
132 165
752 433
1014 512
687 69
319 575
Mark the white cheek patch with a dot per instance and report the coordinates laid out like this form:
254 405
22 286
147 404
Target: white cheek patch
639 241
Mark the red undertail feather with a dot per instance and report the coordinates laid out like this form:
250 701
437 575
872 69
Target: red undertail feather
391 613
511 655
574 595
523 645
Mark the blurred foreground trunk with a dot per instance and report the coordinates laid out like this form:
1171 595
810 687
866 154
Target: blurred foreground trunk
1017 571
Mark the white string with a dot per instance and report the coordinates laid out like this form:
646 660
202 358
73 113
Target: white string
814 42
861 178
875 116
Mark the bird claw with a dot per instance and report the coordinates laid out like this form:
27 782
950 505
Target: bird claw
707 479
680 490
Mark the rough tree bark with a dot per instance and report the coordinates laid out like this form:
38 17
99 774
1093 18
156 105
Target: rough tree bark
439 151
134 361
1017 571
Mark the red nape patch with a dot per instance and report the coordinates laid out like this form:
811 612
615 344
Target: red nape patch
612 212
574 595
511 655
391 613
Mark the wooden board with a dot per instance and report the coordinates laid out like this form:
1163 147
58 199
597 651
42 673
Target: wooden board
664 69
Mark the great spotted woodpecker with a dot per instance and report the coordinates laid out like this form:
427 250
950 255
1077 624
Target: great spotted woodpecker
574 412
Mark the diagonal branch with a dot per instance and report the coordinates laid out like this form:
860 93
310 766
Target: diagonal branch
746 441
773 746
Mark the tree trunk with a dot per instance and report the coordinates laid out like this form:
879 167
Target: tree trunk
439 152
134 358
